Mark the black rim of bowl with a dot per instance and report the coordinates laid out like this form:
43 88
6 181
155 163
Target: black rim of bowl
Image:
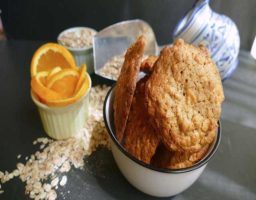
197 165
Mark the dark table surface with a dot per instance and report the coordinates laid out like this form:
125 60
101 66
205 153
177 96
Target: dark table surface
231 174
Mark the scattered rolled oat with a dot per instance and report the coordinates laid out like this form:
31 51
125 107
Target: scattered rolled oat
42 169
52 195
16 172
63 181
47 187
55 182
77 39
65 167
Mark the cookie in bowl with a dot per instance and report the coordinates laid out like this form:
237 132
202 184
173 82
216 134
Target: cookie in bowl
171 127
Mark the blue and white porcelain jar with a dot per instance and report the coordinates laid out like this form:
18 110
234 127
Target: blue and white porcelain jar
217 32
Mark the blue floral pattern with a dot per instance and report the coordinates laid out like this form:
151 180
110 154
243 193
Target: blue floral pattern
218 33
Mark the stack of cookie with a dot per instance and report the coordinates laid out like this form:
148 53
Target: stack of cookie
169 117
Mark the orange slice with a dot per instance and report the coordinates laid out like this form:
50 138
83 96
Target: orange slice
52 72
64 82
49 56
40 90
42 76
64 102
82 72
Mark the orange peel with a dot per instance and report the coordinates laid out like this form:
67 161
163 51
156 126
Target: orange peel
80 93
41 91
52 72
82 72
49 56
64 82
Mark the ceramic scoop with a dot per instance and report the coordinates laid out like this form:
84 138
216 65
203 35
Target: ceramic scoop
115 39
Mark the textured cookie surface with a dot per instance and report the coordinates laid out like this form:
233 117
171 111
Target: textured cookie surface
148 64
184 159
183 96
164 158
126 85
140 139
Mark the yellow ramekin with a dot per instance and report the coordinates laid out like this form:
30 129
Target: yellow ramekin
64 122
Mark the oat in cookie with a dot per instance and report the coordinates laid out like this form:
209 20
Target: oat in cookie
183 96
42 173
126 85
140 139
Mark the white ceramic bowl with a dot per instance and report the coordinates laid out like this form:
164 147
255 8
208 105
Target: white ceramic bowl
66 121
81 55
146 178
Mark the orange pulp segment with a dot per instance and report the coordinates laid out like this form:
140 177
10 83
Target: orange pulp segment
63 102
64 82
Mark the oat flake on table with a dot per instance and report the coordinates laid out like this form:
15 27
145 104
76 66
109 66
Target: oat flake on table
42 173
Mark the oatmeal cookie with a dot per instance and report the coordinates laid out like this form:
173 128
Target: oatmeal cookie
184 159
140 139
126 85
164 158
148 64
183 97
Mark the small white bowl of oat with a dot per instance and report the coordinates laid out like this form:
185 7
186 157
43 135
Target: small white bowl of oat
78 41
